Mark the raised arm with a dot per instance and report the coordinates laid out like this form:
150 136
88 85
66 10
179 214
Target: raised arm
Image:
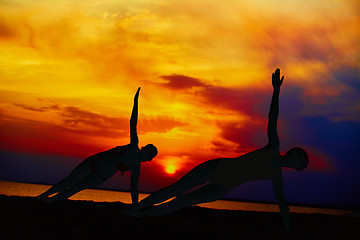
133 120
274 110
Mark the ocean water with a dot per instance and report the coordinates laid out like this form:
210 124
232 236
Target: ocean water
32 190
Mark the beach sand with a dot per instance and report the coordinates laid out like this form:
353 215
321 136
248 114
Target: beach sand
28 218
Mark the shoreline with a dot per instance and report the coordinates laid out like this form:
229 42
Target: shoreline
28 218
227 204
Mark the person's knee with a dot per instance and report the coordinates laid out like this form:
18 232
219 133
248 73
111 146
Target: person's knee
176 188
212 197
215 192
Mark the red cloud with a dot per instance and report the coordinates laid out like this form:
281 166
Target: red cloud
252 102
319 161
244 100
245 135
78 135
22 135
74 117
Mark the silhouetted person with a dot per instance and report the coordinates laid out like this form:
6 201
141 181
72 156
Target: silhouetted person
97 168
216 177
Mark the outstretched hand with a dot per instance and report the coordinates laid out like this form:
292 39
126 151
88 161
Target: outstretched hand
276 81
137 94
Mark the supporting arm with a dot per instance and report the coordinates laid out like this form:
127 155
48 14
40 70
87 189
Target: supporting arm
135 174
280 198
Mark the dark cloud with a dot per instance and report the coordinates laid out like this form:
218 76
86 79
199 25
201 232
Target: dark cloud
340 139
181 82
74 116
337 97
347 104
349 75
220 147
332 144
39 109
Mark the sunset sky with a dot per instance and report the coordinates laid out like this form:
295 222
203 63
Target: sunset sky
69 71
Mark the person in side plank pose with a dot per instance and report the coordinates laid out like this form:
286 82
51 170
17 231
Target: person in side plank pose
99 167
216 177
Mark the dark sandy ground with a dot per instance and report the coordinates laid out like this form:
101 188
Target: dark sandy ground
27 218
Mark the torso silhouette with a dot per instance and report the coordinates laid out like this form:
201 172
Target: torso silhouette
256 165
122 158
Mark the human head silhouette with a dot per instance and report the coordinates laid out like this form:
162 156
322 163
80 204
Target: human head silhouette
296 158
148 152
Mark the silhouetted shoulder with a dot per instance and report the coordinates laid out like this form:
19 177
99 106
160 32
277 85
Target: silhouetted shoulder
272 148
116 151
120 150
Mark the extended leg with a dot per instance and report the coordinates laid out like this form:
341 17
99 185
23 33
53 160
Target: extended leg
89 182
79 173
208 193
58 187
197 176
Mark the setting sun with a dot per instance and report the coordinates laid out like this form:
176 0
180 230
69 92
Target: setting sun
170 169
172 164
